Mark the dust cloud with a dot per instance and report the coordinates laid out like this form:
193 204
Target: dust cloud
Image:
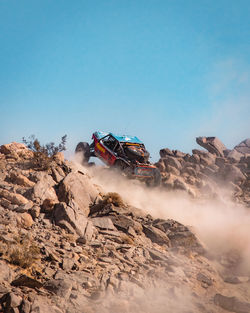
222 225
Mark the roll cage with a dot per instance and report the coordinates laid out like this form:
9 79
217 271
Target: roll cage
116 146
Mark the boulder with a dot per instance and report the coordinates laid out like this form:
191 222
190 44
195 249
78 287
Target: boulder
212 144
165 152
234 156
24 280
231 304
243 147
103 223
19 179
160 165
124 223
12 197
156 235
172 161
190 171
172 170
25 220
44 188
77 188
72 219
16 149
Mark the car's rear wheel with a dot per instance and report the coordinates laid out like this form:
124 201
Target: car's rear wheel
83 149
122 166
156 180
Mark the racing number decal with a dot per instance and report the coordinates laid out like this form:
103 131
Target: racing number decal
99 147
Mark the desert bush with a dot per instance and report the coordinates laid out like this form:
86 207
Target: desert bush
23 252
114 198
44 154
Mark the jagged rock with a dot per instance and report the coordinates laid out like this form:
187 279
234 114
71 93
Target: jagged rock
103 223
14 198
44 188
60 287
212 144
234 156
243 147
160 165
165 152
190 171
172 170
220 161
156 235
57 174
27 281
77 187
123 223
72 219
12 300
231 304
19 179
194 158
172 161
179 154
16 149
25 306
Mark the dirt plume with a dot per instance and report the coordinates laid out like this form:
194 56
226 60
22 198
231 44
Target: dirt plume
221 224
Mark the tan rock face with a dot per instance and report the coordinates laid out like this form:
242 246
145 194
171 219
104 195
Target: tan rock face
77 187
44 188
21 180
14 198
25 220
16 150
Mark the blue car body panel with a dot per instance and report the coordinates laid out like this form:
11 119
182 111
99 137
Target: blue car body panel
120 138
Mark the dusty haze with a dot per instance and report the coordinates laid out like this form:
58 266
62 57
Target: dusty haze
222 225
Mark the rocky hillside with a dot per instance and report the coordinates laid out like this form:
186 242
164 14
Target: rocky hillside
204 172
66 246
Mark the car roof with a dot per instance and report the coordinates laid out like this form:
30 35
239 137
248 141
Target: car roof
120 138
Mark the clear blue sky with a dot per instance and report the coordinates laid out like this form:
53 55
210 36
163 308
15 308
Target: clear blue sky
164 70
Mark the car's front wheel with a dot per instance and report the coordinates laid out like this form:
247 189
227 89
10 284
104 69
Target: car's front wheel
83 149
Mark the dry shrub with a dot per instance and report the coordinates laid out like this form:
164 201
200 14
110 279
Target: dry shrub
114 198
44 154
23 252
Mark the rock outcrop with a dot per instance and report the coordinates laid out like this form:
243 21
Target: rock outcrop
204 172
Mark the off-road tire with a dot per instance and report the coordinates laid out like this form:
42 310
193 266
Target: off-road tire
156 180
123 167
83 147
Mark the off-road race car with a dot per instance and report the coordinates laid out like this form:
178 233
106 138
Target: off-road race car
126 153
